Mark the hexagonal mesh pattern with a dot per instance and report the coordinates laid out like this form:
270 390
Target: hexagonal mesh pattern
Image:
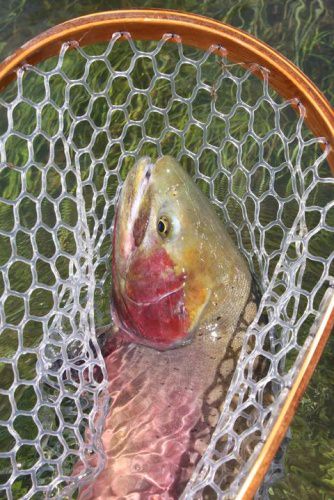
71 128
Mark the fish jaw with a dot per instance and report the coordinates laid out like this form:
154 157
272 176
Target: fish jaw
129 213
150 302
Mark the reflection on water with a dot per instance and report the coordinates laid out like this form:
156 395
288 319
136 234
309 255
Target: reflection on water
304 32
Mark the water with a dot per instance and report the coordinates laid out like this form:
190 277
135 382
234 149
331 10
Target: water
303 31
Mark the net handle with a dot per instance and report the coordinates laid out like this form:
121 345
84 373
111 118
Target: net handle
197 31
284 77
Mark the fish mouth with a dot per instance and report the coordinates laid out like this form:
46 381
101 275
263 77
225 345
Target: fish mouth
134 205
139 186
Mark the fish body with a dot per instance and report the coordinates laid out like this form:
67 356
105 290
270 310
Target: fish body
182 301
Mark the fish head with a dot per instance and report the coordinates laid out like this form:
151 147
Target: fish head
166 244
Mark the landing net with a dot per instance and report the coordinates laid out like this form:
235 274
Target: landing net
71 128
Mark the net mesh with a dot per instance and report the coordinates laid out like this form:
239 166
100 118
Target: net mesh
70 130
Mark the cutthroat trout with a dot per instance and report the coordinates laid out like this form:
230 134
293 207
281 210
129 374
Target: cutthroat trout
181 300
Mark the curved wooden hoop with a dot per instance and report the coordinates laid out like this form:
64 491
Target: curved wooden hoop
284 76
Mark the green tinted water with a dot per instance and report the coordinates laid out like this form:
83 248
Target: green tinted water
303 31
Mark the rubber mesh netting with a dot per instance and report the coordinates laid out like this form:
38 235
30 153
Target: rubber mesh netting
70 130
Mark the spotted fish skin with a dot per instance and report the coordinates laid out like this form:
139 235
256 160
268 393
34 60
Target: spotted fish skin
181 306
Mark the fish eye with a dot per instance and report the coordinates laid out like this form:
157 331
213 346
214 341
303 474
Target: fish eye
164 226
